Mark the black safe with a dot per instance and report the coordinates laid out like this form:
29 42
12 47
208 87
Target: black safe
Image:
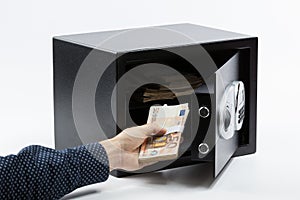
90 105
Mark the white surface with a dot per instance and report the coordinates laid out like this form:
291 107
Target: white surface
26 88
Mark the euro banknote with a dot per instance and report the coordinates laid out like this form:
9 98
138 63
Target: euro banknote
159 148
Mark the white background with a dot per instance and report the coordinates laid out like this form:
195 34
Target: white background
26 106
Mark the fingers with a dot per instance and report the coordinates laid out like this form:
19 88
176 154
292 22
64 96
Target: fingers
142 165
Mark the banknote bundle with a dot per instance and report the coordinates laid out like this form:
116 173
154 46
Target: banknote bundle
173 84
159 148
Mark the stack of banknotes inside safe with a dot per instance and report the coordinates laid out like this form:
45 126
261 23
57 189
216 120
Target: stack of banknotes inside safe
159 148
173 85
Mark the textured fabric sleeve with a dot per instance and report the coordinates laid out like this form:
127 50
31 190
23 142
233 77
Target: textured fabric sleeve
38 172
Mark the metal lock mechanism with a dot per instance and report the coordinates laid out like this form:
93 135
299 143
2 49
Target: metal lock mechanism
232 112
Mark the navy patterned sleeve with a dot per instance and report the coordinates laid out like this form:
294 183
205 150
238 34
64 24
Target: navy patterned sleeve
38 172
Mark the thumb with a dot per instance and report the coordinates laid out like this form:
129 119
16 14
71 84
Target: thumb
144 131
153 129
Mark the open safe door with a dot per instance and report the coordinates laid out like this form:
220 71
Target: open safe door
230 108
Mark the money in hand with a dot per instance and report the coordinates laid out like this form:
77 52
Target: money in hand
159 148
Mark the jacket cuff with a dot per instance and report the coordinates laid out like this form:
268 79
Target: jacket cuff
94 164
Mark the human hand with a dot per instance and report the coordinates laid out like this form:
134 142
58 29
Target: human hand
123 149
